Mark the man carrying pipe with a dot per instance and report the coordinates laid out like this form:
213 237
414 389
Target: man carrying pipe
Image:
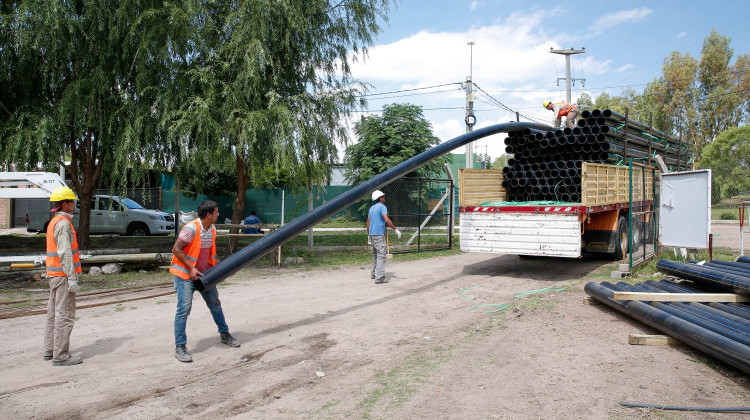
377 219
195 252
562 109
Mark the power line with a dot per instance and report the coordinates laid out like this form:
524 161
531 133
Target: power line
411 90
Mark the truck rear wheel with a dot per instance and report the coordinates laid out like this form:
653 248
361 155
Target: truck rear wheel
138 229
621 239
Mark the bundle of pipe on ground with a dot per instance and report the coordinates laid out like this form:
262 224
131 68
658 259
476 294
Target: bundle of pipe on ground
721 330
546 165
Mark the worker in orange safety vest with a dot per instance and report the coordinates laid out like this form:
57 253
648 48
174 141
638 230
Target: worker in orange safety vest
562 109
194 253
63 266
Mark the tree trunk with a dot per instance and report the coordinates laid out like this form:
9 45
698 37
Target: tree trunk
239 202
89 170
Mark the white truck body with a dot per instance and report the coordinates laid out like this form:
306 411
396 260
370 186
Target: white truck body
547 233
112 214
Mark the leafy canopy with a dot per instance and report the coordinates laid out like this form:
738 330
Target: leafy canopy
386 140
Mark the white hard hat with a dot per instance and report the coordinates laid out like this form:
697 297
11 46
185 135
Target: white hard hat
377 194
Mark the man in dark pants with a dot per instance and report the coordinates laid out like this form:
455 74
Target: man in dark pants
377 219
194 252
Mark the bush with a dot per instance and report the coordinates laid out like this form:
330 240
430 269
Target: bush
728 216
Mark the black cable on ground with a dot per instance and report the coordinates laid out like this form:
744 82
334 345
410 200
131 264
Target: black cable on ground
673 407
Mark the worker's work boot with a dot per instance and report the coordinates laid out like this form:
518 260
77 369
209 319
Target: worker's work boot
47 357
182 354
70 361
230 341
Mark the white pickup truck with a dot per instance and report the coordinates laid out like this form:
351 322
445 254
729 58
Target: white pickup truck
111 214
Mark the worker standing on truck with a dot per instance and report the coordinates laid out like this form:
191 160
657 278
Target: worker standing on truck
377 219
63 266
194 253
562 109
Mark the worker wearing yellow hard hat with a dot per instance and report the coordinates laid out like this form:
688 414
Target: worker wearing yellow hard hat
63 266
61 194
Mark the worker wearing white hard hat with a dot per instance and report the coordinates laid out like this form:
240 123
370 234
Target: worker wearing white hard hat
562 109
377 220
63 267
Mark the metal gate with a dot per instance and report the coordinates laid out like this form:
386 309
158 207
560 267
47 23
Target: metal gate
423 209
643 232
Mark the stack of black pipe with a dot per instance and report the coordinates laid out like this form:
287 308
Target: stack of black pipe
631 139
729 276
546 165
721 330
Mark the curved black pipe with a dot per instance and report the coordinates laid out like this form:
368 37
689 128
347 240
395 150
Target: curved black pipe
279 237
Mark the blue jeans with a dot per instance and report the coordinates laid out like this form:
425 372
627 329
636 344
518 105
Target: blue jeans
185 289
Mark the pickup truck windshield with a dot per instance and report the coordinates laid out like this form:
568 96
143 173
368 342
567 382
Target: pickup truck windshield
131 204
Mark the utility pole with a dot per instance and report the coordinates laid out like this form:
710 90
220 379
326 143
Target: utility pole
567 54
470 119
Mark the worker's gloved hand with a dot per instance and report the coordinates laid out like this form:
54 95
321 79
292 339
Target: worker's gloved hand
398 232
73 283
369 240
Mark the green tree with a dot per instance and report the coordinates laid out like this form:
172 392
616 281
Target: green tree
501 162
585 102
75 76
729 158
267 86
386 140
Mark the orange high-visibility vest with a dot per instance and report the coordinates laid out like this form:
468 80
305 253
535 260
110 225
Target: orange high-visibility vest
565 109
54 266
193 250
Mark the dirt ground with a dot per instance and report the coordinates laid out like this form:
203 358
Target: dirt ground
332 344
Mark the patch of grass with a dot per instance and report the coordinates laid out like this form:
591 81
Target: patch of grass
25 304
161 302
710 363
403 382
322 411
133 307
119 308
535 301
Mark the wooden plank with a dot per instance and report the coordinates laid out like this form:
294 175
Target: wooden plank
588 300
680 297
652 340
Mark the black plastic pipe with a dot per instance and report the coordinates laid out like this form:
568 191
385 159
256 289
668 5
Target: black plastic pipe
730 282
714 344
275 239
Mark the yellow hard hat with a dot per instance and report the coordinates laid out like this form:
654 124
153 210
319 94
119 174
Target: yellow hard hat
546 103
61 194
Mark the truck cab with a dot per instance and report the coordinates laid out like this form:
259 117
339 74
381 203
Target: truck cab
112 214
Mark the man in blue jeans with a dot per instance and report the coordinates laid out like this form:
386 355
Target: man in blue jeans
194 253
377 219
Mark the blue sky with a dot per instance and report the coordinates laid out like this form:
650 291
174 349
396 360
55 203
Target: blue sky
425 44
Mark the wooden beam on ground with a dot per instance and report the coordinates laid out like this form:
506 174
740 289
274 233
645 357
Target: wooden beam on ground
588 300
680 297
652 340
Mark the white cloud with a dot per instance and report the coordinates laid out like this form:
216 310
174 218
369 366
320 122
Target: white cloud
611 20
511 62
476 4
623 68
681 34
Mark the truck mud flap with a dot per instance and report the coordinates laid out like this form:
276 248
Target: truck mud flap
599 241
